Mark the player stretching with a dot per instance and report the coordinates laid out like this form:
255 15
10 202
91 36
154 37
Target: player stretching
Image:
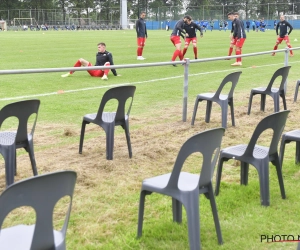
231 32
103 58
141 32
239 36
190 28
283 26
175 37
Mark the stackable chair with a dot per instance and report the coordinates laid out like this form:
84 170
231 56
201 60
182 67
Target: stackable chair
275 93
258 156
296 90
12 140
222 99
42 194
108 120
185 188
287 138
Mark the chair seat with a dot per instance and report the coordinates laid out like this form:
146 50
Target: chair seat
186 181
294 135
106 117
263 89
206 96
259 152
7 138
20 237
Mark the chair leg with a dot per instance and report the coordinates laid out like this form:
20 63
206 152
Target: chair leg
110 133
232 112
284 101
276 163
195 111
208 111
276 103
141 213
82 135
193 219
30 151
218 176
224 111
215 213
262 102
177 210
9 156
263 174
297 158
282 148
244 173
296 90
250 103
126 128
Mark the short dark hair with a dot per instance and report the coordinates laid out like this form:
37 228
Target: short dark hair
187 17
230 13
236 13
142 12
102 44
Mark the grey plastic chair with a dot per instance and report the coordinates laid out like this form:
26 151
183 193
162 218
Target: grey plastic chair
41 193
275 93
296 90
12 140
108 120
287 138
185 188
258 156
222 99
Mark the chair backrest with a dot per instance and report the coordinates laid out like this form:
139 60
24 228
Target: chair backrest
199 143
276 122
22 110
121 94
282 72
40 192
233 78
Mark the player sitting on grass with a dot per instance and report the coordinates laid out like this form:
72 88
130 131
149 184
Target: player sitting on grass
103 58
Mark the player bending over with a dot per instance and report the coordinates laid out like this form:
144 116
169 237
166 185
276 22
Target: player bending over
190 36
283 26
103 58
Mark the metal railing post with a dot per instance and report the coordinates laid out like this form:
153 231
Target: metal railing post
286 63
185 88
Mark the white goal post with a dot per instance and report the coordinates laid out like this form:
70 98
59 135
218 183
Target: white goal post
3 25
80 21
24 21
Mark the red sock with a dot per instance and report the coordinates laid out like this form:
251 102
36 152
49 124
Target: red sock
184 51
230 51
180 55
275 47
196 52
77 64
139 51
291 52
239 59
175 54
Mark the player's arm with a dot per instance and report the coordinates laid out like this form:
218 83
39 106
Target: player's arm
110 59
146 31
290 27
179 26
137 26
198 28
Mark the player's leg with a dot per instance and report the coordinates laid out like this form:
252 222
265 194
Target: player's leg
278 41
80 62
186 45
104 73
287 41
238 51
195 48
140 43
177 53
231 46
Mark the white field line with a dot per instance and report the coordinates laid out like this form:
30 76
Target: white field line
133 83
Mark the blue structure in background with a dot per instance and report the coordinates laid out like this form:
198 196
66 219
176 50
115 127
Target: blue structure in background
161 25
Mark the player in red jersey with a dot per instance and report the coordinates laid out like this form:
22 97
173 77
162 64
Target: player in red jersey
190 36
141 32
175 37
284 32
103 58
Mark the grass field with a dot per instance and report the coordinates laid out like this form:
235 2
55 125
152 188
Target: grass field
105 207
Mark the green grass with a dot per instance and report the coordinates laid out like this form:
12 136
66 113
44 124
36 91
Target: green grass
105 208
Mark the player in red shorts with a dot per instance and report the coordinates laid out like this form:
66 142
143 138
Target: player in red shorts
141 32
283 26
239 36
175 37
103 58
190 36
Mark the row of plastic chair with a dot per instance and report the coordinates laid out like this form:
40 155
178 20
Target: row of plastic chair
225 100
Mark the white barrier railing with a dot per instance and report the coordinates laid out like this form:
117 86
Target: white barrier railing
186 62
